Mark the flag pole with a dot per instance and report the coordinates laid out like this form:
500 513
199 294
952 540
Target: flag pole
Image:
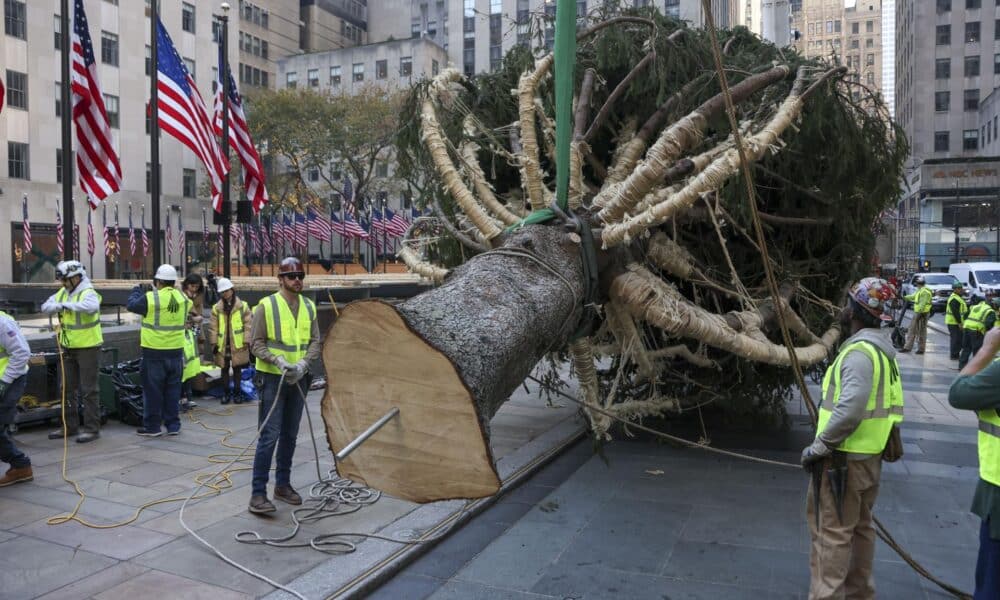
226 216
67 133
343 223
154 133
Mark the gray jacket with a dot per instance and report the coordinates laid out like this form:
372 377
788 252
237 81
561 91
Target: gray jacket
89 304
856 379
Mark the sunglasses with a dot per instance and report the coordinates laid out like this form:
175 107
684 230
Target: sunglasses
299 276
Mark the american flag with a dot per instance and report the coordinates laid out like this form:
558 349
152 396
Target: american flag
278 231
318 228
375 241
170 239
180 238
204 230
349 194
90 235
396 224
76 241
107 231
239 137
235 238
131 231
60 246
347 228
145 236
301 233
182 112
96 160
26 226
265 237
2 90
288 229
118 245
254 238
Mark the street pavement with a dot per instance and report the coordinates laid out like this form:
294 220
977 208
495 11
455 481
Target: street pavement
658 521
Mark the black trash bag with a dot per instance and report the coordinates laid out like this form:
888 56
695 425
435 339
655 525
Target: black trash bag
128 395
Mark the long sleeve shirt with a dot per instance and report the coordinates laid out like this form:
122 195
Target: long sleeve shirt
136 302
13 342
258 338
88 304
981 392
857 375
955 308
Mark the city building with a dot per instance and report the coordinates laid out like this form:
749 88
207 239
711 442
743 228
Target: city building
265 30
889 55
944 103
776 23
332 24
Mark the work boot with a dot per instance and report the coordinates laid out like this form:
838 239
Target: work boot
17 475
237 397
260 505
919 352
57 434
905 350
87 436
226 397
287 495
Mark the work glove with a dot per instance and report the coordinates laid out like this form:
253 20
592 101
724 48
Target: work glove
302 367
3 388
814 453
284 365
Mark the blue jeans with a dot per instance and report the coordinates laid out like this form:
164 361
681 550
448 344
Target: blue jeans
988 565
281 430
161 392
8 411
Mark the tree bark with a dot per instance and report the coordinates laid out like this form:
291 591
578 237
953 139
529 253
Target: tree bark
491 321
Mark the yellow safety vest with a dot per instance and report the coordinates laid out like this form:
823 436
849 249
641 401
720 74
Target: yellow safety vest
192 365
949 319
922 299
4 357
78 329
236 321
976 321
163 329
287 335
885 403
989 446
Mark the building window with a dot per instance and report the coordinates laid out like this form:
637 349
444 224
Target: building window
149 179
358 71
59 165
15 19
149 60
942 68
869 59
869 43
971 4
996 64
313 76
406 66
263 48
335 75
943 35
971 100
972 66
17 90
943 5
189 183
189 65
435 68
17 161
855 44
381 69
972 32
57 30
855 28
994 127
415 30
313 174
291 79
941 141
187 17
942 101
216 29
109 48
970 139
836 26
869 26
111 106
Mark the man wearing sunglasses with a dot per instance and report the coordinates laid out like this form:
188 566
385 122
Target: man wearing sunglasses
284 337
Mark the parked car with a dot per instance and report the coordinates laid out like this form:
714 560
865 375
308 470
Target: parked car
939 283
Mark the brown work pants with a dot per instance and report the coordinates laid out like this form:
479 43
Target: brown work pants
840 560
80 370
917 332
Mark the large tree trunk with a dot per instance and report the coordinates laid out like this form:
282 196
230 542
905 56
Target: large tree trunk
448 358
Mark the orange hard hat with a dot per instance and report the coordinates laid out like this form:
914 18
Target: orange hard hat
291 266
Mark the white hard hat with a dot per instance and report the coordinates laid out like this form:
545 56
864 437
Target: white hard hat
69 268
166 273
223 284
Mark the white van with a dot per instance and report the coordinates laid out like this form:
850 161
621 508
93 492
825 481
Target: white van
978 277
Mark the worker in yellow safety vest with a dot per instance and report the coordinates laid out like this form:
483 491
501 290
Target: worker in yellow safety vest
862 402
978 388
14 355
78 306
164 313
955 311
285 340
229 334
980 319
922 299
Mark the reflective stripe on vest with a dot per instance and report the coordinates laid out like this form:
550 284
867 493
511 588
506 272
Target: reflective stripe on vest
192 366
963 310
989 446
976 321
78 329
288 336
161 328
885 402
923 300
236 319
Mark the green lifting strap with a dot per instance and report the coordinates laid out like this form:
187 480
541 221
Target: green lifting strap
565 62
